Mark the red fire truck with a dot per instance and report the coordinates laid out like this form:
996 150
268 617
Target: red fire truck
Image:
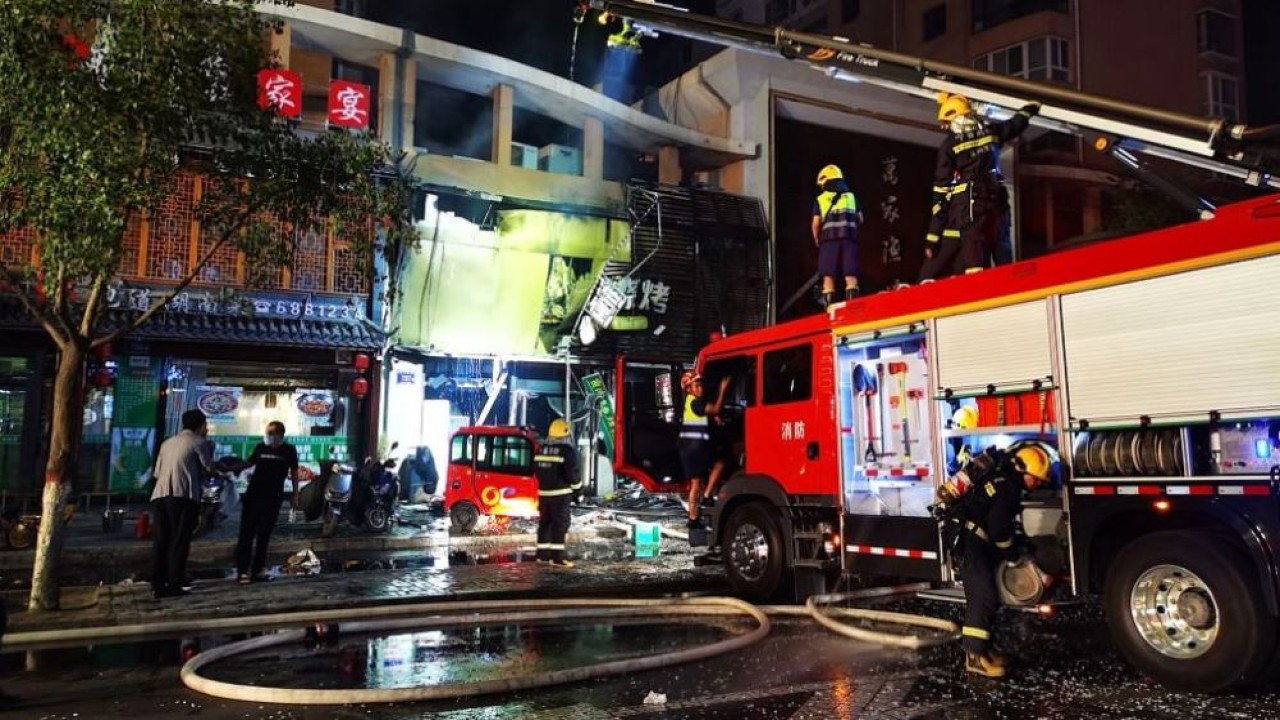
1149 365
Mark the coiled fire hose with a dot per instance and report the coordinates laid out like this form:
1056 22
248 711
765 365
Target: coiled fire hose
471 614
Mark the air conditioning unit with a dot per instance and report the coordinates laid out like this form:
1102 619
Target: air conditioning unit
560 159
524 156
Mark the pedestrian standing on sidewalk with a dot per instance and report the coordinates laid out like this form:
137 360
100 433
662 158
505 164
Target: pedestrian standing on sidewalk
182 464
273 460
556 466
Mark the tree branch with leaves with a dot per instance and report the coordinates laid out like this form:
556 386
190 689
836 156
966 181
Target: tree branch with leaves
104 106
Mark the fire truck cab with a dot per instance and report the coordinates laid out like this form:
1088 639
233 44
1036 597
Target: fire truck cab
1148 365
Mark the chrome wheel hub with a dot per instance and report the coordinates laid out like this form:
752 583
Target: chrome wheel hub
749 552
1175 612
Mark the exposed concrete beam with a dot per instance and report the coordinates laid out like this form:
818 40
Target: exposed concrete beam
568 192
593 149
503 114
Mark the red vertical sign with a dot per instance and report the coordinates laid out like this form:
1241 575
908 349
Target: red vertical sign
349 104
280 90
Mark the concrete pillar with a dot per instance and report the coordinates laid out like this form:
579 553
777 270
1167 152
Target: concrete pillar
388 115
503 109
386 96
278 44
669 171
593 149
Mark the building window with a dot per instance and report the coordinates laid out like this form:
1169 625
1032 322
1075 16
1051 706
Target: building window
849 10
935 22
1216 33
987 14
788 374
1222 93
1045 58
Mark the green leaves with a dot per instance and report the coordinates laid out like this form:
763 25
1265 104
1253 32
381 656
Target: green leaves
92 139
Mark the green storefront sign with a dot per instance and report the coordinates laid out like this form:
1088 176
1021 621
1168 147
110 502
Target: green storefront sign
599 393
134 419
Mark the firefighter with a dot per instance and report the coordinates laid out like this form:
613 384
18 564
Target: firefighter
696 455
836 218
556 466
969 201
987 499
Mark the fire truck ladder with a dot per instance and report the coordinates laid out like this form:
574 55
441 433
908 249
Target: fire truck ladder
1120 129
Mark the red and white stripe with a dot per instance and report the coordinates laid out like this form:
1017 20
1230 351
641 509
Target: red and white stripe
893 552
897 472
1253 489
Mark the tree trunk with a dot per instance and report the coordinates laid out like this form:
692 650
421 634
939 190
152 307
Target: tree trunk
59 474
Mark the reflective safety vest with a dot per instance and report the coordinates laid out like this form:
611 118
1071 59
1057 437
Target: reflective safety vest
696 426
839 214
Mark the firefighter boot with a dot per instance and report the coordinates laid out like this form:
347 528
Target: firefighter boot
983 664
850 293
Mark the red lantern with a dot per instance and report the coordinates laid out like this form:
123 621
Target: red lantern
102 352
360 388
102 378
360 362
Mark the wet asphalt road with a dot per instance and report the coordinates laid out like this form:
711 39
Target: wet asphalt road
1063 669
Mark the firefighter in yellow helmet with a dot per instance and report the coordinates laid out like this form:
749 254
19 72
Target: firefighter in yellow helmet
969 201
981 505
556 467
836 218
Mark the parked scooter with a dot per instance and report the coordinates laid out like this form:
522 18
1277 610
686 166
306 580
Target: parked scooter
335 483
217 491
366 496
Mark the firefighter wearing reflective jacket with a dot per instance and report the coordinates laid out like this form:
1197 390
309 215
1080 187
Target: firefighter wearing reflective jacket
969 201
985 498
556 466
836 218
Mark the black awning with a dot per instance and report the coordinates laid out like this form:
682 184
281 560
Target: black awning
351 334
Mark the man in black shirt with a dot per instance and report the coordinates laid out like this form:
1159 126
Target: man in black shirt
272 461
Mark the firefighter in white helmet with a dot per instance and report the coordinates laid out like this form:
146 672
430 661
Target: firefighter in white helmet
969 201
836 218
556 467
980 506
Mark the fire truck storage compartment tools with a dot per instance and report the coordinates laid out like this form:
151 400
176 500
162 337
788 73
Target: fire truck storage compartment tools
864 384
899 372
884 438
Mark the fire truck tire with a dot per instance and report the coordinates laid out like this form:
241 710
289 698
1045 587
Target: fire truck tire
1183 609
753 551
464 517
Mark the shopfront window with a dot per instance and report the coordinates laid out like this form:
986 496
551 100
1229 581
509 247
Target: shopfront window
241 398
14 383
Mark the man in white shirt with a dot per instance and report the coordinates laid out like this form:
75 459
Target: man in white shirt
182 464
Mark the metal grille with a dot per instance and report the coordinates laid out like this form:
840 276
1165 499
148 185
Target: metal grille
350 275
711 250
131 245
262 273
16 248
169 248
221 269
311 251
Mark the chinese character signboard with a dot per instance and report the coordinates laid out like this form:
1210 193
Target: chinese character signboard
281 91
134 414
349 104
599 394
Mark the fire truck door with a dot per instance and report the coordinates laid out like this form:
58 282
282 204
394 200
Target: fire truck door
648 402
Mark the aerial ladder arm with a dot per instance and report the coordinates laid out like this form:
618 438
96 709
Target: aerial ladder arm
1111 126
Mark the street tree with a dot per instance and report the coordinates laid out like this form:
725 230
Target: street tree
104 105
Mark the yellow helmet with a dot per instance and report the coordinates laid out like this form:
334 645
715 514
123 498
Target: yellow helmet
966 418
830 172
952 106
1033 461
559 429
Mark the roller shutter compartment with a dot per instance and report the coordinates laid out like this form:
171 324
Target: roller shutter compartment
1002 346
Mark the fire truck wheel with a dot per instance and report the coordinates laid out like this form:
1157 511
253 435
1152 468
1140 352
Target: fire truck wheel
753 551
464 517
1183 609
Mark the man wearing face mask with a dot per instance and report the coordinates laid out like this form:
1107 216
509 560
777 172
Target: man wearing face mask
273 460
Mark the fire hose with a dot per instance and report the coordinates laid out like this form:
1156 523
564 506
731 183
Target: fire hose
471 614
